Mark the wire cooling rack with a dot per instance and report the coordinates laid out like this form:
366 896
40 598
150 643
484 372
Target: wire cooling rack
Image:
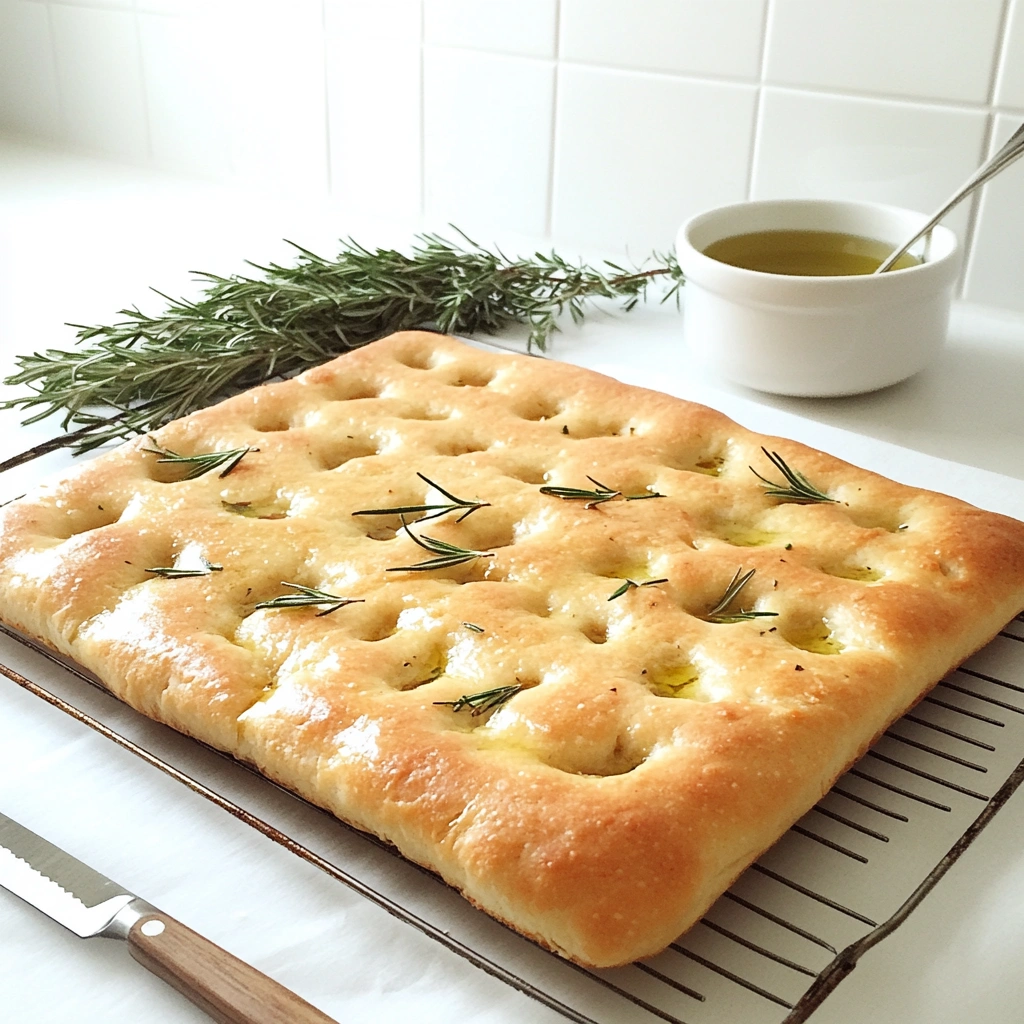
772 947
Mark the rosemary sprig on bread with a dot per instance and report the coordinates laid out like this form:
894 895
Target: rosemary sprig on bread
202 462
628 585
797 487
484 701
431 511
447 555
180 572
720 612
598 495
303 597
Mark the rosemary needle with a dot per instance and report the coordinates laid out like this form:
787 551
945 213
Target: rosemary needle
307 596
241 330
448 555
201 463
484 701
596 496
630 584
433 511
720 614
174 572
796 488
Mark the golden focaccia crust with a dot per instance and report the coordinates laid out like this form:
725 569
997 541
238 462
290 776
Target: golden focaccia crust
649 754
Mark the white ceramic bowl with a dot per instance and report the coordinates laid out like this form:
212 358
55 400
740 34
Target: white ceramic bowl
815 336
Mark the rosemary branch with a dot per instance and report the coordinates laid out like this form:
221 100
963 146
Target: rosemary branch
600 493
797 487
433 511
307 596
204 462
175 572
448 555
630 584
720 613
484 701
244 329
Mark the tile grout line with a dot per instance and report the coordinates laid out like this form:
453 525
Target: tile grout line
504 54
756 128
325 53
866 96
549 209
999 58
423 113
147 122
974 211
825 92
61 105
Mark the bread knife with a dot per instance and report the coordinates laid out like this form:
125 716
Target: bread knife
89 904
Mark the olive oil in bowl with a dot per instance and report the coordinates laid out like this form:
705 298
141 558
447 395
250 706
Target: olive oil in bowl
787 302
805 253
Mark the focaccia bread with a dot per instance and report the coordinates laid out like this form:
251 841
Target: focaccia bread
562 716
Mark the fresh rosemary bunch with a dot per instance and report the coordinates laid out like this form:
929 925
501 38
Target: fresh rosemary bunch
243 330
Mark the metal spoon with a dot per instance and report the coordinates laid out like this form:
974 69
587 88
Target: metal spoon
1013 148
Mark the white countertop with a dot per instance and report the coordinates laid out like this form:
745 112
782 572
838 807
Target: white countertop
80 239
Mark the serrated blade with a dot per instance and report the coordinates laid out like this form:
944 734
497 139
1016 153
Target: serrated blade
53 881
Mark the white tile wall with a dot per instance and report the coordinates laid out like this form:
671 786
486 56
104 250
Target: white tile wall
523 27
186 95
833 147
28 80
593 122
486 140
183 8
276 102
393 21
99 76
122 5
696 37
931 49
375 144
1010 85
637 154
994 268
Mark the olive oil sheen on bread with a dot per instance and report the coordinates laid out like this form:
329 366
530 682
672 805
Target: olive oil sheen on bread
805 253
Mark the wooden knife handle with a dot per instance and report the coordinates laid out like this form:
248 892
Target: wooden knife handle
224 987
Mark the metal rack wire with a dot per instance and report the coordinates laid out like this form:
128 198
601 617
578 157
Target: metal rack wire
792 926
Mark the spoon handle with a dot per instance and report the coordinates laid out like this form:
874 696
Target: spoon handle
1010 151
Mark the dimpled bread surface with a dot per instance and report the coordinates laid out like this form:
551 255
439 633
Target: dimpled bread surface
648 755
